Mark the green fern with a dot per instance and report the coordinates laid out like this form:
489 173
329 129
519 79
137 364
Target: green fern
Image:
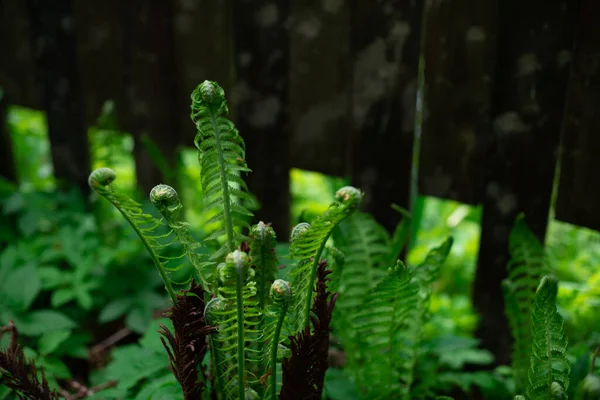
221 155
144 225
527 266
280 295
387 308
550 368
307 244
236 315
166 201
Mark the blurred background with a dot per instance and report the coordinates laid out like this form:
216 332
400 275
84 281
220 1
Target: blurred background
464 112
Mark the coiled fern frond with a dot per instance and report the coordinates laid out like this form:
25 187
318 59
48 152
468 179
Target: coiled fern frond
221 155
387 309
307 244
550 368
166 200
144 225
528 264
235 313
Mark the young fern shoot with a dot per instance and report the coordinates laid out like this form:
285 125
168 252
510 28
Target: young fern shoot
221 155
166 201
307 244
144 225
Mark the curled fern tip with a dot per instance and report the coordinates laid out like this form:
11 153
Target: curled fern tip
164 196
349 194
101 177
299 230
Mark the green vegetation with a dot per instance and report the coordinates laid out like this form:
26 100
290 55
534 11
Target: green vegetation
334 314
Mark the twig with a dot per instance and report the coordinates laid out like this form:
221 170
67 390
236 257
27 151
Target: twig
111 340
83 391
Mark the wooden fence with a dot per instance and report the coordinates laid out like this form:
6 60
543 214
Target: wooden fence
334 86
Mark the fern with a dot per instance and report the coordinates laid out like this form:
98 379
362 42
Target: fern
221 155
386 309
166 201
307 244
281 295
527 266
144 225
236 317
550 368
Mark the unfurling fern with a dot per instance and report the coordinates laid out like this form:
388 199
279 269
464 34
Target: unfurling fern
528 264
386 310
144 225
221 155
550 368
235 314
307 244
166 201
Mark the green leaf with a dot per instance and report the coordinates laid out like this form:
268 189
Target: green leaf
51 340
84 299
54 367
138 319
62 296
115 309
43 321
51 277
21 287
339 386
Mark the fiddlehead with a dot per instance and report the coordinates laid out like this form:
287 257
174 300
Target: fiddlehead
280 295
221 153
144 225
166 200
307 244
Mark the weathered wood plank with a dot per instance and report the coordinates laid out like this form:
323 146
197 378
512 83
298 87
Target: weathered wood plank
320 86
385 41
17 73
535 39
149 97
203 31
7 161
100 52
460 53
261 59
579 193
58 76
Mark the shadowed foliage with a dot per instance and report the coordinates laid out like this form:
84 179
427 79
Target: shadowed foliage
304 371
188 346
20 374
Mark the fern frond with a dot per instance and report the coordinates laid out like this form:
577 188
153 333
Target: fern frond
166 200
528 264
307 244
236 317
364 244
280 295
387 308
144 225
400 235
550 368
221 155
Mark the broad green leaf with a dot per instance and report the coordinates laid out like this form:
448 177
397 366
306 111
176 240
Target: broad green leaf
62 296
21 287
51 340
115 309
43 321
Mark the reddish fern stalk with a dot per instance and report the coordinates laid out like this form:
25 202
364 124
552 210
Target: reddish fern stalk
188 346
20 374
304 372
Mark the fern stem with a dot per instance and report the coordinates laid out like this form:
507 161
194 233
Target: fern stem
240 331
153 256
593 366
311 285
224 184
274 348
